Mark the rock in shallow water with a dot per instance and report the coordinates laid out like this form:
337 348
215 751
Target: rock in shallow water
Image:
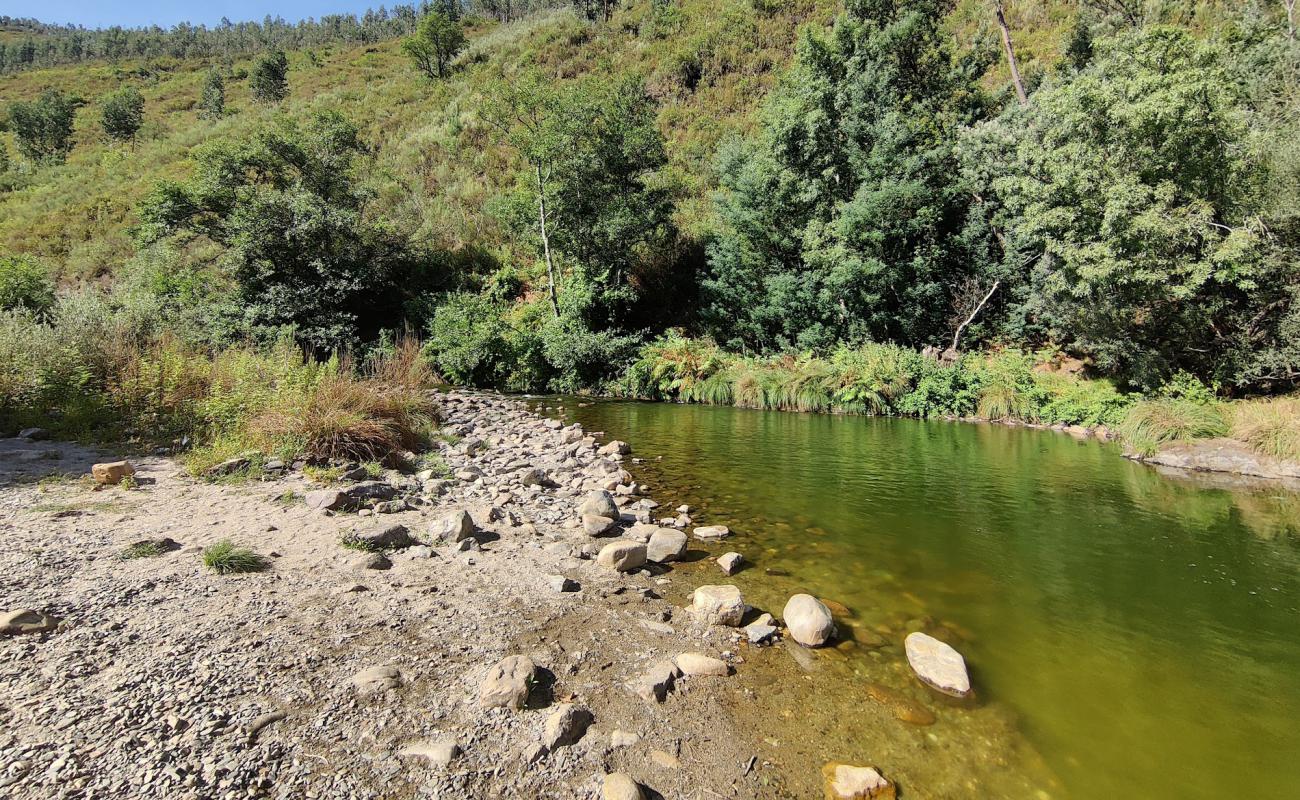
808 620
845 782
708 532
937 665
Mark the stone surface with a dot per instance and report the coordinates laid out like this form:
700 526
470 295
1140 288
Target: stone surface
718 605
711 532
666 545
453 527
440 752
599 503
846 782
655 683
377 679
111 473
808 620
937 664
23 621
508 683
372 561
620 786
386 537
616 448
700 664
559 583
326 500
596 525
566 725
622 556
730 563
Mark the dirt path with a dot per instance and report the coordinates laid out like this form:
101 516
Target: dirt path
158 681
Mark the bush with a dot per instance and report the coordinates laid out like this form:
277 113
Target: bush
224 558
1270 427
24 284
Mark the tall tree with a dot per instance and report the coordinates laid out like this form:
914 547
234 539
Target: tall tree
435 43
269 80
123 114
43 127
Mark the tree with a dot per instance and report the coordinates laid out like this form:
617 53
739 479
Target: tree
435 43
24 284
269 79
1136 190
846 218
43 127
123 114
297 242
212 103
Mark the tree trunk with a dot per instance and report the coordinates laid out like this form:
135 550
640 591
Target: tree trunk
546 241
956 337
1290 17
1011 55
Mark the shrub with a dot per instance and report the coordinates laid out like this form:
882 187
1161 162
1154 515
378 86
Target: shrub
1152 423
24 284
1271 427
123 114
225 558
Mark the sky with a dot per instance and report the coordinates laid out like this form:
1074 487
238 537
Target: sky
165 13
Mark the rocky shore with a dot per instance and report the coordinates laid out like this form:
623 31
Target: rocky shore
505 628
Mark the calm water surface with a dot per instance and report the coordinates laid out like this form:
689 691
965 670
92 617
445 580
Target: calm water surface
1143 632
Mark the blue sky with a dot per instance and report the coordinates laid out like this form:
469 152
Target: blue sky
134 13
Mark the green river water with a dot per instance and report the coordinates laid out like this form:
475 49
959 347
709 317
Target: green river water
1129 634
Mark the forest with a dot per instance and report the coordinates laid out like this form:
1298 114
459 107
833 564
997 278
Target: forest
1075 213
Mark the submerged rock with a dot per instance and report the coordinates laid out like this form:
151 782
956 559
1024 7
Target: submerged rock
846 782
808 620
937 664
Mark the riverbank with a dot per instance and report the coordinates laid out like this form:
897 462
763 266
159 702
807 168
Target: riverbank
343 673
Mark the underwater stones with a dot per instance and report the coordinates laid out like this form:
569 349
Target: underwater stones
808 620
902 707
937 665
712 532
847 782
718 605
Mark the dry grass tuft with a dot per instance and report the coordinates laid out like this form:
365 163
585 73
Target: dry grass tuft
1270 427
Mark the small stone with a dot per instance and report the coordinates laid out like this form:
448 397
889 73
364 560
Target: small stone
387 537
665 759
620 786
731 563
454 527
654 684
709 532
372 561
700 664
33 434
599 503
845 782
111 473
616 448
619 739
719 605
559 583
326 500
622 556
937 664
377 679
566 725
24 621
595 525
508 683
439 753
419 551
808 620
666 545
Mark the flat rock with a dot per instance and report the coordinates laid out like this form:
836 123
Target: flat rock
440 752
718 605
700 664
326 500
937 664
619 739
846 782
666 545
808 620
711 532
377 679
23 621
622 556
508 683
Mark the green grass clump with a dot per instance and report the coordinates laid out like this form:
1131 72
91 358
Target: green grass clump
148 548
434 463
1153 423
225 558
325 475
353 542
1271 427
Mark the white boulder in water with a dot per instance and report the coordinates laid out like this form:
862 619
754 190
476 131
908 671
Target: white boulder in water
937 664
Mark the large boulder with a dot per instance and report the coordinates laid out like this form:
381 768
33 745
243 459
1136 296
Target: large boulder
622 556
937 665
111 473
719 605
808 620
508 683
666 545
846 782
599 503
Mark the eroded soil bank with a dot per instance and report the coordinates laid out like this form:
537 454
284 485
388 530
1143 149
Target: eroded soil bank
163 679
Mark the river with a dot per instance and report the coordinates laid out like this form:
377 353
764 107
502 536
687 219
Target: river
1129 634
